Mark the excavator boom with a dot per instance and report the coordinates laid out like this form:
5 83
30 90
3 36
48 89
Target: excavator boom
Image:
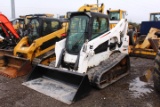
92 8
4 22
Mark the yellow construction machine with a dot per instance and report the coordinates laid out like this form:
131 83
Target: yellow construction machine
146 46
155 73
147 41
42 33
91 54
115 16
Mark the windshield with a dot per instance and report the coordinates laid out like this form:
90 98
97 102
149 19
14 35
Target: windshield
32 30
76 34
50 26
114 16
155 17
34 24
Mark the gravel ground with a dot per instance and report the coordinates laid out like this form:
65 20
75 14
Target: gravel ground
127 92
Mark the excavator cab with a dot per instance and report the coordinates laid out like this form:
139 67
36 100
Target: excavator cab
19 25
115 16
155 16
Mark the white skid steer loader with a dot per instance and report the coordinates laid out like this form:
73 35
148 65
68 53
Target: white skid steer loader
90 55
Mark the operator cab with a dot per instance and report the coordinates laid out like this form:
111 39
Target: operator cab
39 27
115 16
18 22
84 26
155 16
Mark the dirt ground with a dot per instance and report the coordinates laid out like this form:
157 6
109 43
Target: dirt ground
127 92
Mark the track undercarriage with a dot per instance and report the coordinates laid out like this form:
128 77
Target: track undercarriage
109 71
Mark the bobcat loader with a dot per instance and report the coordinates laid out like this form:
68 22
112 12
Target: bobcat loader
36 47
90 55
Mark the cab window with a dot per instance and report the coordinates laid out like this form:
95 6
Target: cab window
114 16
50 26
100 26
155 17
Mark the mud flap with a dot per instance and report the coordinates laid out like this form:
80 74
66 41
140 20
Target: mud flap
65 86
13 67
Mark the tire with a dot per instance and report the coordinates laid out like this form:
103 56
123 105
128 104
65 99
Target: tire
132 37
156 73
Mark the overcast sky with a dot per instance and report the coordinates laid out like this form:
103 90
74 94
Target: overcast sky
138 10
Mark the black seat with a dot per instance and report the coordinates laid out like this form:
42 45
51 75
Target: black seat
113 18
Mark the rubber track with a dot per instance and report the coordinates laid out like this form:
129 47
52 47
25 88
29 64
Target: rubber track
95 73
